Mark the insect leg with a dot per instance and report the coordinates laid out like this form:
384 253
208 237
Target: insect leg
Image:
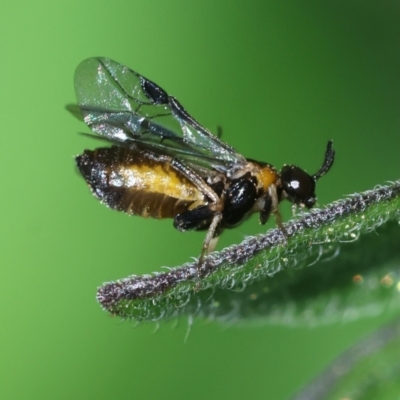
210 241
266 211
195 219
275 209
201 218
198 181
213 243
211 210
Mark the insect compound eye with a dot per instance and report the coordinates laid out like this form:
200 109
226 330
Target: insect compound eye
298 185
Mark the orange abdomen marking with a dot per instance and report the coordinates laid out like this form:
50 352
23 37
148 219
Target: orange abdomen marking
154 177
137 182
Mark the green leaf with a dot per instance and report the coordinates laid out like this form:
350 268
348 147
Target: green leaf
369 370
340 262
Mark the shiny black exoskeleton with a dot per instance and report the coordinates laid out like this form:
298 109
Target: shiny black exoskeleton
241 195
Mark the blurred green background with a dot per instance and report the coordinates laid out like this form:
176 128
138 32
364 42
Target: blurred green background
281 78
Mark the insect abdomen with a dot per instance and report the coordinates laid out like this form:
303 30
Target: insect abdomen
137 182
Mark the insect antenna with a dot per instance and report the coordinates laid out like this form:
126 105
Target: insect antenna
328 161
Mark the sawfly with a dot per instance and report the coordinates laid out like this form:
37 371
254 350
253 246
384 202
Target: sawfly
164 164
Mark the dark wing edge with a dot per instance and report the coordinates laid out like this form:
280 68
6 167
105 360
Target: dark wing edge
124 107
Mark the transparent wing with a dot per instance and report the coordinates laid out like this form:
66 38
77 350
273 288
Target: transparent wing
123 106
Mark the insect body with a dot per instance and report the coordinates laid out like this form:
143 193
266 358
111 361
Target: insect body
164 164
